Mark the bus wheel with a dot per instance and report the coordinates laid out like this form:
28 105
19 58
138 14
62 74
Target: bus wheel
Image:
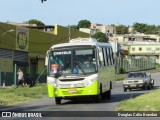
58 100
108 94
97 98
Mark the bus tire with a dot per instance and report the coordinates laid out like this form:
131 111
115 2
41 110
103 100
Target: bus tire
108 94
57 100
97 98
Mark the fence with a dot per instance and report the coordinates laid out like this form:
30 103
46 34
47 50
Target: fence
135 63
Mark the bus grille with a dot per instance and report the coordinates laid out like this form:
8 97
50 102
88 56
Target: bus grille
79 85
66 80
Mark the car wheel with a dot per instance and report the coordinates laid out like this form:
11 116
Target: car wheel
152 85
145 87
149 87
125 89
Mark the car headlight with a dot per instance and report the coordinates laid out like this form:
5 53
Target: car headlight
140 81
125 82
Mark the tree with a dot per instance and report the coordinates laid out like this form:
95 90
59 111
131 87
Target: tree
145 28
140 27
121 29
84 24
101 37
37 22
74 27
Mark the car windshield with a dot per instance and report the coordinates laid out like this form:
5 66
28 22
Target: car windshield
135 75
73 61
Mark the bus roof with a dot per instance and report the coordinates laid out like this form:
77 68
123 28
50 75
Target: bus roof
82 41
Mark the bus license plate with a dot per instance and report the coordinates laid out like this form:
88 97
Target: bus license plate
72 91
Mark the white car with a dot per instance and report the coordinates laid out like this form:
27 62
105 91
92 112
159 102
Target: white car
136 80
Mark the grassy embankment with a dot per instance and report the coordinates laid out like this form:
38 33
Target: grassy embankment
146 102
9 96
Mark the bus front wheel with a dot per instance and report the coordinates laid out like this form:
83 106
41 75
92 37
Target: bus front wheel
58 100
97 98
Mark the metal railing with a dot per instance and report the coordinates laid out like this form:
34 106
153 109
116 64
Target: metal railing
135 63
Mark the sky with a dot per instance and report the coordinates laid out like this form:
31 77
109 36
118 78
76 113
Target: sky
70 12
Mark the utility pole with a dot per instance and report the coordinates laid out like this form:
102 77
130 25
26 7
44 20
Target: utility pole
115 44
69 34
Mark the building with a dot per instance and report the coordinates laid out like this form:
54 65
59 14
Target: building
26 47
94 28
108 30
142 49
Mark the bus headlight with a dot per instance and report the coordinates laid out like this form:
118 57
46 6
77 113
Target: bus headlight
90 82
51 80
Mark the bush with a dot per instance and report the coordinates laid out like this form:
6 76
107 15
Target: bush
122 70
157 65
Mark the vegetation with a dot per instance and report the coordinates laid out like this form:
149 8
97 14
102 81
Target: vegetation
146 102
11 95
157 65
101 37
121 29
84 24
145 28
74 27
81 24
120 77
37 22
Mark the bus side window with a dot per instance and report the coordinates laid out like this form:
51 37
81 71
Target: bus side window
108 56
104 56
112 55
101 58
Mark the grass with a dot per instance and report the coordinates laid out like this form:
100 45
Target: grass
146 102
10 96
120 77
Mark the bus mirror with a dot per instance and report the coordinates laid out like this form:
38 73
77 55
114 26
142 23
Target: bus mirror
46 59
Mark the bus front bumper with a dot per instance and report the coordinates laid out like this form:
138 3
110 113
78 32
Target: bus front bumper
65 92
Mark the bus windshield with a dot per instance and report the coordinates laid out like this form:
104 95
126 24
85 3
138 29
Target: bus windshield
73 61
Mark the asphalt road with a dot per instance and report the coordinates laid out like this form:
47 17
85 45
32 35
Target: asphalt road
48 104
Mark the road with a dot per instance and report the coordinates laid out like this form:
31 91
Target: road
48 104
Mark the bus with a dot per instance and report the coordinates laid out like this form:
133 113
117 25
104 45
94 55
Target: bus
81 68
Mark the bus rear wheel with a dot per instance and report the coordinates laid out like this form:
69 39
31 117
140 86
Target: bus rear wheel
58 100
108 94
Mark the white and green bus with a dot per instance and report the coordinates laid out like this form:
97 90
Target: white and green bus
81 68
